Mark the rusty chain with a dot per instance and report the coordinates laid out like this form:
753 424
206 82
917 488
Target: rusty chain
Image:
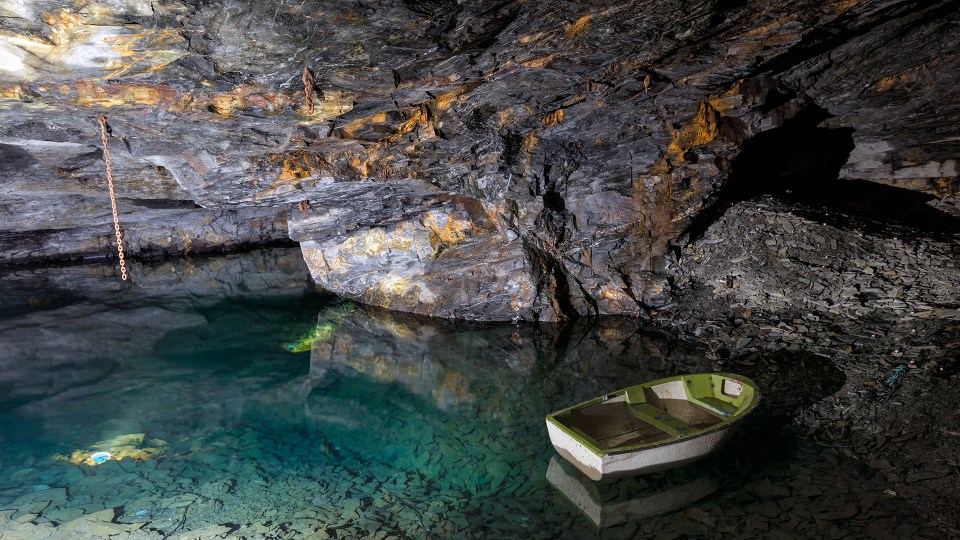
102 120
308 89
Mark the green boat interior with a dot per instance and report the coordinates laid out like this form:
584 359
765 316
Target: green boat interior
651 414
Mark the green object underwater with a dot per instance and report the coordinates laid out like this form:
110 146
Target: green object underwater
305 343
322 330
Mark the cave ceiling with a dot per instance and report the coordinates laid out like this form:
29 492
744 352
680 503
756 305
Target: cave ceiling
478 160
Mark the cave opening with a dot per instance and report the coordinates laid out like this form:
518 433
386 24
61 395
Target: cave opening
799 163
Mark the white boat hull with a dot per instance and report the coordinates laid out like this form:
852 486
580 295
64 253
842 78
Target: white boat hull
645 460
653 426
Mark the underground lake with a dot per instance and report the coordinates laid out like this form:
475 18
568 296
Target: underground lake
176 406
374 246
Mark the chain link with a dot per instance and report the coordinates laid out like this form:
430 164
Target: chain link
308 89
102 120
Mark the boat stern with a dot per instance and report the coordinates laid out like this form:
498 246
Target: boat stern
573 449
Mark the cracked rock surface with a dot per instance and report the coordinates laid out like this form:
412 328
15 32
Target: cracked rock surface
494 161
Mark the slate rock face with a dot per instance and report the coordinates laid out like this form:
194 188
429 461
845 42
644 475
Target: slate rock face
517 160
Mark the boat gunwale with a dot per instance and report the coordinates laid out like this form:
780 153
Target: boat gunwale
724 423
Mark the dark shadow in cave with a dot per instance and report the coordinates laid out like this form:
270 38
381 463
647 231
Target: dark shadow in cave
799 163
797 159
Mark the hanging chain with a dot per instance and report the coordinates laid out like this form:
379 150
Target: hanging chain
102 120
308 89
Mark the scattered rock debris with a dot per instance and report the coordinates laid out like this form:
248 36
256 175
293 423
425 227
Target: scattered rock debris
765 286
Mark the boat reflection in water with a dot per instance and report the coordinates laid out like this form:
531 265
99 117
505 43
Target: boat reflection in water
616 502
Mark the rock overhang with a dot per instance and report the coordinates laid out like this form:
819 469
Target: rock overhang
545 162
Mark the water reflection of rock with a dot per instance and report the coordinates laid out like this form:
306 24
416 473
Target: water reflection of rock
401 392
427 356
613 503
66 327
390 348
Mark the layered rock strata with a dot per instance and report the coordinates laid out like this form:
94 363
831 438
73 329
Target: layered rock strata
486 161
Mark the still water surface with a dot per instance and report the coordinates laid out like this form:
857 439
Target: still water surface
385 426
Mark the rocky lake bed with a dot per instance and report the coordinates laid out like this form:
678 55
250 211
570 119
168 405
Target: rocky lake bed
553 201
845 444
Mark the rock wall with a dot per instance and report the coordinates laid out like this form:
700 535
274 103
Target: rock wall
517 160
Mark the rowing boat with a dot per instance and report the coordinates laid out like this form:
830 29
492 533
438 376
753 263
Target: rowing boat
653 426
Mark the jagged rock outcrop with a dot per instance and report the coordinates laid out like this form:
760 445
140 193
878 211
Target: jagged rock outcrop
516 160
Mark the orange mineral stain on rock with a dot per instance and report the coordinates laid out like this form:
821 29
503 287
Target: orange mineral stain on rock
134 44
296 165
539 62
361 166
945 186
242 98
93 43
11 91
383 127
327 104
145 52
377 241
349 130
767 28
255 97
577 27
553 118
367 162
91 94
446 229
416 118
62 23
701 130
654 189
529 141
290 169
183 103
612 293
888 83
530 39
225 104
844 5
446 100
394 285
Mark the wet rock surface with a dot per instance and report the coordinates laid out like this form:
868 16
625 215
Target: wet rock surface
773 283
567 148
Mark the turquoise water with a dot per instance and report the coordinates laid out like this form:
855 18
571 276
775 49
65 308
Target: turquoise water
387 426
